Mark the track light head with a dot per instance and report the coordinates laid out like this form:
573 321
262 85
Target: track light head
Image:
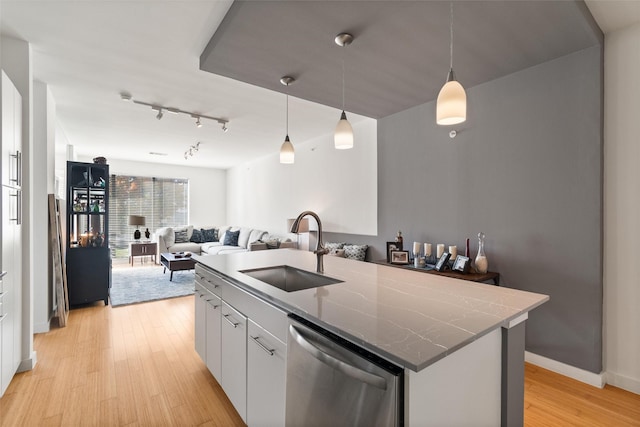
198 123
224 128
160 114
125 96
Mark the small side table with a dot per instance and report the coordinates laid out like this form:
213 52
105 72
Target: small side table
142 249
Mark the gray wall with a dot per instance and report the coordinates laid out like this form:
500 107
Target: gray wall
526 169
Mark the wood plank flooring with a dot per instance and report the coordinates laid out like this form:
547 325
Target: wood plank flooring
136 366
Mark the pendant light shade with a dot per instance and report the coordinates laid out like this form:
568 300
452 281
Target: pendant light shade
287 153
343 137
451 106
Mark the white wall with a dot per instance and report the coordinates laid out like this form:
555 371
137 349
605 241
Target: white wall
339 185
621 207
207 187
43 183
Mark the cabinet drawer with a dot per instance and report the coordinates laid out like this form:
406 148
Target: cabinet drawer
210 280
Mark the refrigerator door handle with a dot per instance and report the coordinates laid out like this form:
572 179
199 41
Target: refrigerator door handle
344 367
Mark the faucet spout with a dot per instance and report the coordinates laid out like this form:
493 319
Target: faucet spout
320 249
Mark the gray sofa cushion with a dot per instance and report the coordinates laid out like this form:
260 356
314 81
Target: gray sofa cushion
209 235
231 238
185 247
182 236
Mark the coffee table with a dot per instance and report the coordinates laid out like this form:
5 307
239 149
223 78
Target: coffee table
175 262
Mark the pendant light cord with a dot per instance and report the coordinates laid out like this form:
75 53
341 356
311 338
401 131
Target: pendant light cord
451 38
287 110
343 82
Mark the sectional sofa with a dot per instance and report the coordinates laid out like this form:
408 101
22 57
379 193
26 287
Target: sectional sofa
215 240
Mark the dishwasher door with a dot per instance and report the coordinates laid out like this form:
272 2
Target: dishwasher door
332 382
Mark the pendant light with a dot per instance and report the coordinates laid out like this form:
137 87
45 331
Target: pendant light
343 137
451 106
287 153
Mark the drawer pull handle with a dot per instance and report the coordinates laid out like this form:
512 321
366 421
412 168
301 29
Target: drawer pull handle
262 346
3 316
226 317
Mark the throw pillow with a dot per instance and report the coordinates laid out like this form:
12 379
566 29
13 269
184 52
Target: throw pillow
210 235
338 253
357 252
197 236
231 238
333 247
182 236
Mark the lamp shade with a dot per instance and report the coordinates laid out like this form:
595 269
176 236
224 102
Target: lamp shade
136 220
451 106
343 137
287 154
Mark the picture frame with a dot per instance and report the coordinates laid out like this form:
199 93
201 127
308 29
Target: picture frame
443 262
399 257
461 264
392 246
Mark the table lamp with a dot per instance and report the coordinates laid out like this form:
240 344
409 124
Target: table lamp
136 220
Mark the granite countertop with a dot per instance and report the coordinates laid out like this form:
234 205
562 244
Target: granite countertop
410 318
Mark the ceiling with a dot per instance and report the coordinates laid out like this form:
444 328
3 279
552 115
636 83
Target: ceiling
90 51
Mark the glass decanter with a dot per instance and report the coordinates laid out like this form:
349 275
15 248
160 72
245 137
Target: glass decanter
481 263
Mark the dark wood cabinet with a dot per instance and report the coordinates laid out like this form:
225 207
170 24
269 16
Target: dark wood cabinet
87 248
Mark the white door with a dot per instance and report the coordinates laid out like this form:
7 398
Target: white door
214 319
266 370
234 358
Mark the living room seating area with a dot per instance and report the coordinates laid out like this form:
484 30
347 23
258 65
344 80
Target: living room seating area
215 240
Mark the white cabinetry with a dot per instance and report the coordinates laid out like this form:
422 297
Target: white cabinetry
266 373
11 233
213 335
200 311
234 358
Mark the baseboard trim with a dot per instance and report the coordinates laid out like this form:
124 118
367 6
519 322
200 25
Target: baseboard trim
596 380
28 364
40 328
623 382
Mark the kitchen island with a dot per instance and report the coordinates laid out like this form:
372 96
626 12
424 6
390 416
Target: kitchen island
461 344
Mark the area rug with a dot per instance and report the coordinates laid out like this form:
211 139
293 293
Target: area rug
131 285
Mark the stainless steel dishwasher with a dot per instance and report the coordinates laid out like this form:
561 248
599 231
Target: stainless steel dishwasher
332 382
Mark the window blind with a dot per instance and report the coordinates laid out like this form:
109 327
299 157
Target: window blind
163 202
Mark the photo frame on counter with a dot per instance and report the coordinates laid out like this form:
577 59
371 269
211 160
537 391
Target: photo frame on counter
399 257
461 264
392 246
443 262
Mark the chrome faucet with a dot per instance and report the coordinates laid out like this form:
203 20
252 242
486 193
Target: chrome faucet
320 249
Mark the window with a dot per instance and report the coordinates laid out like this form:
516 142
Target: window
163 202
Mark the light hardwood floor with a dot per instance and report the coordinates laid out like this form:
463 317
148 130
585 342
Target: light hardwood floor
136 366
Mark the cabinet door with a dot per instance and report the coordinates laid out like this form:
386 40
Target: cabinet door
234 358
7 365
214 319
266 370
200 322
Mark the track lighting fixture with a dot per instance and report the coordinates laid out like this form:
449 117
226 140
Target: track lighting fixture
343 137
192 150
451 105
287 153
161 109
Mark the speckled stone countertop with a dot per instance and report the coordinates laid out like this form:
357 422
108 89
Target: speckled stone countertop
410 318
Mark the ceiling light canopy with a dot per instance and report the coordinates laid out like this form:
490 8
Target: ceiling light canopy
287 153
451 106
125 96
343 135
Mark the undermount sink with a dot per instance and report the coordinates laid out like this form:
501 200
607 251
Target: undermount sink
289 279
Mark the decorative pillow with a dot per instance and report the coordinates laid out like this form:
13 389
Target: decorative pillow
210 235
231 238
339 253
357 252
182 236
197 236
333 247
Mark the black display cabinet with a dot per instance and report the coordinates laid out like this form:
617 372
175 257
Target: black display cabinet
88 256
